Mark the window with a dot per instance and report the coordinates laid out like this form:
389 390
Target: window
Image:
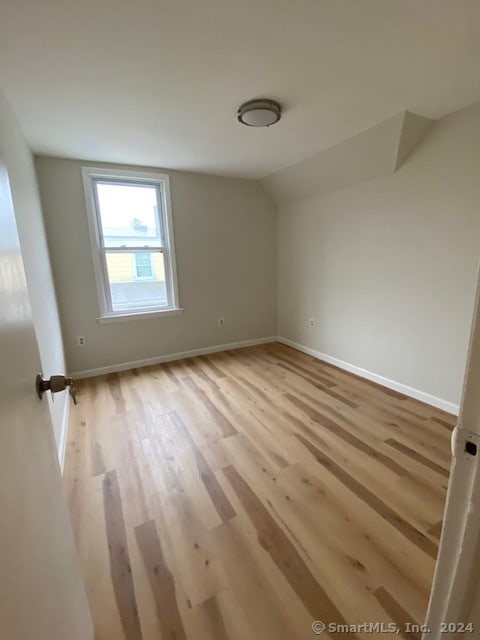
132 242
143 265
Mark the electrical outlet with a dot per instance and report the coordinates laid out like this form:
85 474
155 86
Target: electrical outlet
81 342
221 321
311 322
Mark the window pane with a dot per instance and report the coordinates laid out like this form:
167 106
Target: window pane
136 280
128 214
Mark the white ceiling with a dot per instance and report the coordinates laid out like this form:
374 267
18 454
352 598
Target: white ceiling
157 82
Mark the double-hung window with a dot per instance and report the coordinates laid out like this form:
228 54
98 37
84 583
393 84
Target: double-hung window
130 222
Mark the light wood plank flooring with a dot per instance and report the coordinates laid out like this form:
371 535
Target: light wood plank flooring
245 494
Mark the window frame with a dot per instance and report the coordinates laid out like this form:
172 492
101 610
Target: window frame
161 181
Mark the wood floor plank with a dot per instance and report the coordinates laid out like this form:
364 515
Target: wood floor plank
322 521
278 613
285 556
384 483
216 622
115 389
220 616
436 530
120 567
324 538
357 442
161 581
247 493
400 616
443 423
214 490
96 565
373 501
226 426
184 516
417 456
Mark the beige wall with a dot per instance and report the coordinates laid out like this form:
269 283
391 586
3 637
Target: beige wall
225 237
19 161
388 268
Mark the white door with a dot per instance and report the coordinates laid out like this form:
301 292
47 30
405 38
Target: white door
41 592
454 610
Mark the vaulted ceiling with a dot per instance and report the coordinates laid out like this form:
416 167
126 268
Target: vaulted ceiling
158 82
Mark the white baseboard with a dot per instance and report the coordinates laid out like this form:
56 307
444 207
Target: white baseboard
445 405
124 366
62 445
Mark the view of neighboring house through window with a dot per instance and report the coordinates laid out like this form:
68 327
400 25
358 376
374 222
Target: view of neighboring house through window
131 230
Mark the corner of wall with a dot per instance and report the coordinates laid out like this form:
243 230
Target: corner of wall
417 394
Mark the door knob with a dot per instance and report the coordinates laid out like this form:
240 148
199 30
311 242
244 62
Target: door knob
54 384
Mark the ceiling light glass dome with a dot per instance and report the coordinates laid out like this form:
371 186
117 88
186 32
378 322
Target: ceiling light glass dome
261 112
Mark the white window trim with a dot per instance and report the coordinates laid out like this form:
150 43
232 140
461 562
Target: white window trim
115 317
106 314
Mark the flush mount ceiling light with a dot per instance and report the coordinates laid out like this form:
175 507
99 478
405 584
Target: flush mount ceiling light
261 112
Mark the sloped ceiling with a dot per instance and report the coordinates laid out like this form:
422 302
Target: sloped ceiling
158 82
377 152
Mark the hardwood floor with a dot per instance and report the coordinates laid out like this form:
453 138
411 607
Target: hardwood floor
247 494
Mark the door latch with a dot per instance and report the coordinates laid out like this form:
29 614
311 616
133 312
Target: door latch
55 384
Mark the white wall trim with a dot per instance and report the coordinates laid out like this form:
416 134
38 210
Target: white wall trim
123 366
445 405
62 445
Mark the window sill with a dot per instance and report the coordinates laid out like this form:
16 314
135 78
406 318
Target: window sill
123 317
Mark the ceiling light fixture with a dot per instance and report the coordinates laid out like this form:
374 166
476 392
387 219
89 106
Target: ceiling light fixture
261 112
